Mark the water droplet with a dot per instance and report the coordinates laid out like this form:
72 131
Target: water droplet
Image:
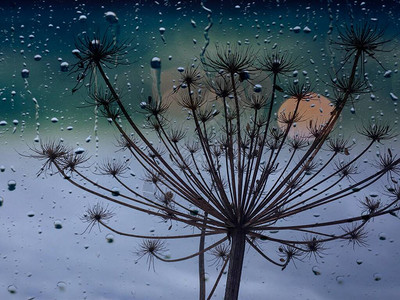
57 224
257 88
12 185
79 150
115 191
110 238
382 236
377 277
340 279
359 261
61 286
316 270
30 214
1 201
64 66
25 73
155 63
111 17
296 29
12 289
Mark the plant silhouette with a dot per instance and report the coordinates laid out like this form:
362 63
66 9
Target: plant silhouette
236 172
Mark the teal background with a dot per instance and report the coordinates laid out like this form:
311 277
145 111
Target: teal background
35 257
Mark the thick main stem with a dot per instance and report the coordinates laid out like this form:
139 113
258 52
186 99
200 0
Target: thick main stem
202 272
238 242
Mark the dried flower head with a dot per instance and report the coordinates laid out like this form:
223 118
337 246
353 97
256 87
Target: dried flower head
51 152
231 60
277 63
94 50
113 167
299 91
298 143
289 118
155 107
255 101
313 247
345 86
345 170
220 85
338 145
192 101
176 134
96 214
192 147
190 78
220 253
393 192
389 163
152 249
71 161
363 39
289 253
356 235
370 205
377 132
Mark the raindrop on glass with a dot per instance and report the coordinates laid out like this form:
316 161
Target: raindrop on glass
382 236
25 73
377 277
57 224
340 279
115 191
257 88
12 289
110 238
12 185
61 286
155 63
79 150
64 66
111 17
316 270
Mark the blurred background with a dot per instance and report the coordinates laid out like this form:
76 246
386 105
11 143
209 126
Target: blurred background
45 252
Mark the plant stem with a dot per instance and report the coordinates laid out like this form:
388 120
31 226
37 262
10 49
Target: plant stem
236 256
202 279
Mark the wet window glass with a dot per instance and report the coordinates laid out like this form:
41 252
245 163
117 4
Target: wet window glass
187 149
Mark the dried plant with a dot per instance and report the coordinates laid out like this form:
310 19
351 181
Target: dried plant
231 173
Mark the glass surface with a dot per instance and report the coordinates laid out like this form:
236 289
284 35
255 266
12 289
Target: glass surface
47 252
